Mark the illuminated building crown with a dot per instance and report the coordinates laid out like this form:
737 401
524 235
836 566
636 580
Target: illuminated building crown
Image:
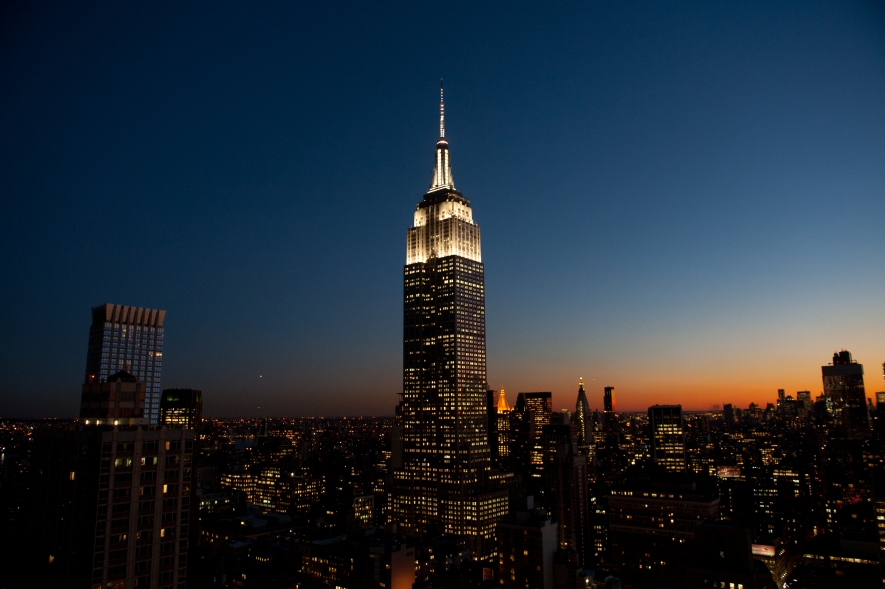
502 402
443 224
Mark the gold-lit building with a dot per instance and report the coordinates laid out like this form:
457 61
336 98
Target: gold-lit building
444 483
503 431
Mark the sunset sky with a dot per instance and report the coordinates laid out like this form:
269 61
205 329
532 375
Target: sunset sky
684 201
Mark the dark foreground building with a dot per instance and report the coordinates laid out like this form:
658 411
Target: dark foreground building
110 497
653 523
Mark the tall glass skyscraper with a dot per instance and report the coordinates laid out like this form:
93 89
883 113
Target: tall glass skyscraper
446 483
130 339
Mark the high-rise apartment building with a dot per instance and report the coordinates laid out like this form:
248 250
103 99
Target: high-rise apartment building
667 435
446 482
846 398
131 339
111 497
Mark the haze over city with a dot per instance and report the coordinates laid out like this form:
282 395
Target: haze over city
683 202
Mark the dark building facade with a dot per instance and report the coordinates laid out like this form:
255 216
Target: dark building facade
111 506
131 339
527 546
653 519
846 397
723 557
566 491
119 400
445 484
527 421
111 495
610 417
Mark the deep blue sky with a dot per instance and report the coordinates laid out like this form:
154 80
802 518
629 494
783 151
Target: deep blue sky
683 200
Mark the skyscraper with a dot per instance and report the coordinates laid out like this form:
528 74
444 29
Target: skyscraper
111 499
846 397
505 438
528 418
130 339
609 400
582 415
610 417
565 490
446 483
667 436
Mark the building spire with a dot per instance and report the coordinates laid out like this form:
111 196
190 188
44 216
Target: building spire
442 111
502 402
442 169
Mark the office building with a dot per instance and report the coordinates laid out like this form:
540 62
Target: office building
667 436
849 417
529 417
445 484
608 400
131 339
182 408
610 416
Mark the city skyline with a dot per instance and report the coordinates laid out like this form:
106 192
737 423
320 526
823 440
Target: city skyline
684 205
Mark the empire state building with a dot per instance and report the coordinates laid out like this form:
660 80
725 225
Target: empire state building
446 483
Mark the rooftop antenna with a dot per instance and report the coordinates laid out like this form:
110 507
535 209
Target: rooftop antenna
442 111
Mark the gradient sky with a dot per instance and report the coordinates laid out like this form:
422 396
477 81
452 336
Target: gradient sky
681 200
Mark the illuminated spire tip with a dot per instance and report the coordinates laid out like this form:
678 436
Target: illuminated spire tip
442 111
